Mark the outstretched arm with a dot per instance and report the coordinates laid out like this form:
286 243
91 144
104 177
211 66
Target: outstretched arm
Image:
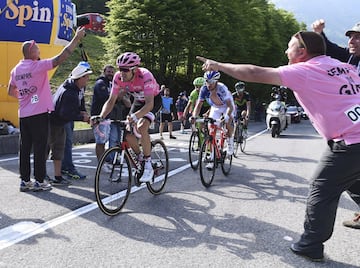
245 72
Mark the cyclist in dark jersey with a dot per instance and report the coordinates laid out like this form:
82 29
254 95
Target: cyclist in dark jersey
242 102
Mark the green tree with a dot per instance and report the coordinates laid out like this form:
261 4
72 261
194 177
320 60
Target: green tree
87 6
169 34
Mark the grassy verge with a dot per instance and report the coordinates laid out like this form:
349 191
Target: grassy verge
81 125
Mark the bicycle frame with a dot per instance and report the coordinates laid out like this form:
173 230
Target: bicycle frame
116 176
213 128
210 129
213 153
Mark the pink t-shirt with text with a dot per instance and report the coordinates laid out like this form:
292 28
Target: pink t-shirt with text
329 91
34 93
143 84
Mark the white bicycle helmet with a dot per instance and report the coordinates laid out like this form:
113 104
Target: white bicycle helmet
211 76
240 87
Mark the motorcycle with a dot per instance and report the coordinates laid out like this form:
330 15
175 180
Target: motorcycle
276 118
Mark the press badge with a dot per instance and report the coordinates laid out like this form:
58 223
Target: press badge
34 99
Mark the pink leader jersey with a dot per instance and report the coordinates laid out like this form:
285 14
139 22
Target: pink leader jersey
143 84
31 79
329 91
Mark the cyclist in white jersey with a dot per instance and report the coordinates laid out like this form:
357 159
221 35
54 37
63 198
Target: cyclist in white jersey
221 101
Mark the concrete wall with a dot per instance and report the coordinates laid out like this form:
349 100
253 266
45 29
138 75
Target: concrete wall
9 144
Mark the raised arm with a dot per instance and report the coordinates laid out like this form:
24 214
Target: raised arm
65 53
245 72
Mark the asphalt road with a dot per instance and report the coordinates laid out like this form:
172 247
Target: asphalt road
247 219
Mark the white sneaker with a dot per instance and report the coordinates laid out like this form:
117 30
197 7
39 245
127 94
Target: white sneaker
107 168
148 172
230 149
210 166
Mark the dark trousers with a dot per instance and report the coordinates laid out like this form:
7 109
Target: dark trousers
33 134
337 171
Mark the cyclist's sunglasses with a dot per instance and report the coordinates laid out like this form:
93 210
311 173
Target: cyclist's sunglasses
126 70
211 81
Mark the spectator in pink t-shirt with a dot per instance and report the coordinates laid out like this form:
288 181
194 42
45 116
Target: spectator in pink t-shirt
351 55
29 83
328 91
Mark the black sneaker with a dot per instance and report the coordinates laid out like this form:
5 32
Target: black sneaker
73 174
172 137
59 181
316 256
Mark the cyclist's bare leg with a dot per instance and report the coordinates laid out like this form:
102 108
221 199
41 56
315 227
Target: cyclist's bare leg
143 127
161 128
244 117
133 142
229 128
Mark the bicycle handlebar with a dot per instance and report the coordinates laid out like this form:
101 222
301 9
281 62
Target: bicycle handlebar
95 120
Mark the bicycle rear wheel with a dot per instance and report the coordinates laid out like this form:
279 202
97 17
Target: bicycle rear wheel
226 160
194 150
112 181
160 163
207 162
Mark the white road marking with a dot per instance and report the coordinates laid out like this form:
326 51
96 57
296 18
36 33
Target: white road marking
26 229
23 230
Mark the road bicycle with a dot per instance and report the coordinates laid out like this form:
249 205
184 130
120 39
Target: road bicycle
214 151
240 136
120 168
196 140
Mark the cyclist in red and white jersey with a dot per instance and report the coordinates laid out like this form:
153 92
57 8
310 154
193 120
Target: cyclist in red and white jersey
141 84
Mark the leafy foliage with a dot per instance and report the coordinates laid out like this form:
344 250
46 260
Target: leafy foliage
86 6
169 34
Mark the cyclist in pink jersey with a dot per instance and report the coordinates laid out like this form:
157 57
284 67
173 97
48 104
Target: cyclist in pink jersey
329 91
141 84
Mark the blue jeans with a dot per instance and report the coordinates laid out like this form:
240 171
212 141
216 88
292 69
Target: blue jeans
67 162
113 139
114 135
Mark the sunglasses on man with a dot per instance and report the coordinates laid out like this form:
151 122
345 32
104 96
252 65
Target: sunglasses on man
126 70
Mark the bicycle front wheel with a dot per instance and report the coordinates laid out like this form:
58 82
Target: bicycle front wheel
160 164
194 150
112 181
226 159
207 162
243 135
237 140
